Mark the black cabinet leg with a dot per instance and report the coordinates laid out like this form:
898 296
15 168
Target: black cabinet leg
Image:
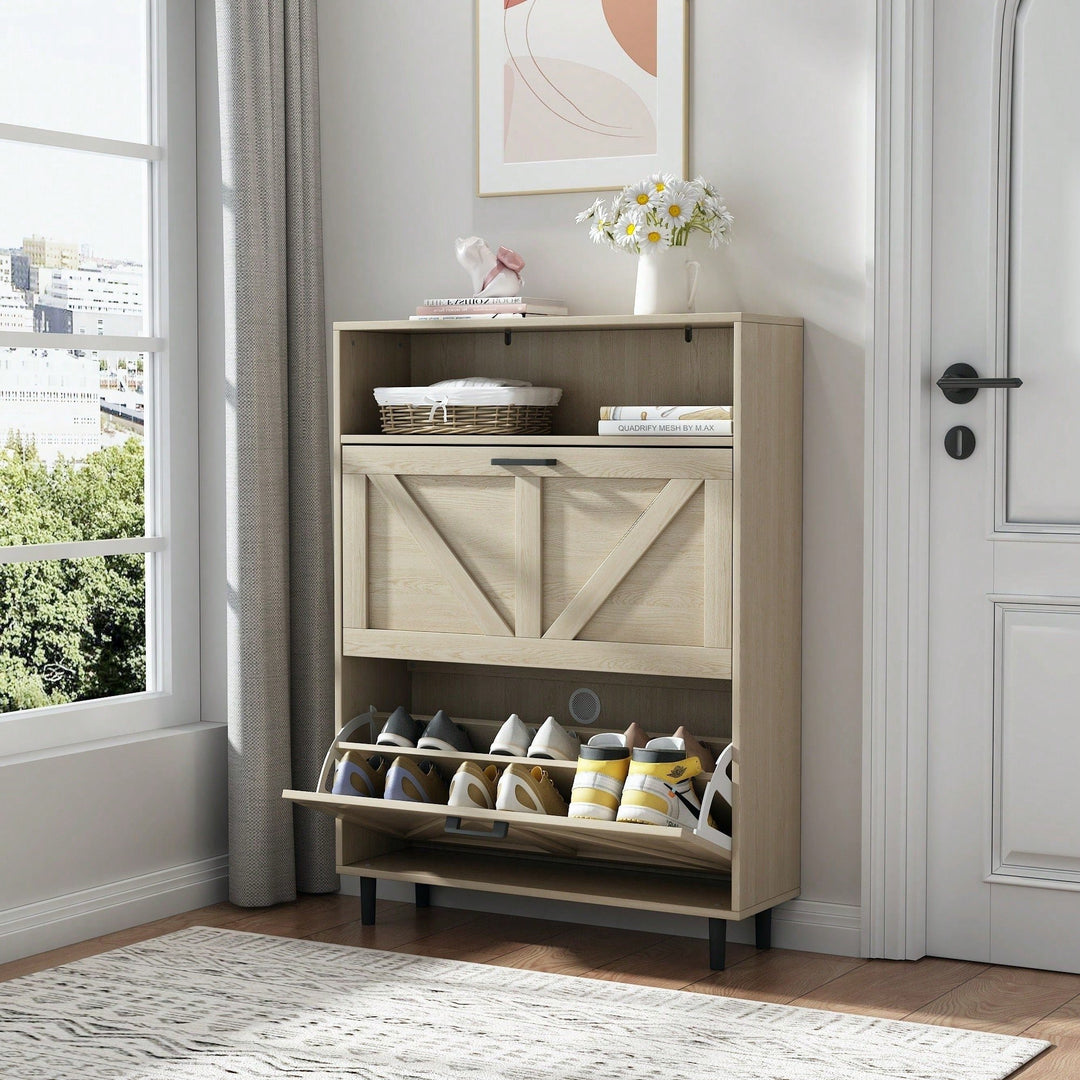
423 895
717 943
763 929
367 901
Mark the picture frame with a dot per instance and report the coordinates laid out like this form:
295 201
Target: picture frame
579 95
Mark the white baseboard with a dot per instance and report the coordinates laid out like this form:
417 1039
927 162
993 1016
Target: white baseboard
818 926
809 925
77 916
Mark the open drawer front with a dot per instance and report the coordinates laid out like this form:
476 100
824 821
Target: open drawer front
533 833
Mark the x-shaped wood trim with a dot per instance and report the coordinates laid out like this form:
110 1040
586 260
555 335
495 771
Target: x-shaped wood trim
622 558
436 549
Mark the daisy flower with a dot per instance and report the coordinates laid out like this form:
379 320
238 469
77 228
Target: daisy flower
651 235
628 228
643 195
694 191
677 205
720 227
593 211
600 231
661 181
706 188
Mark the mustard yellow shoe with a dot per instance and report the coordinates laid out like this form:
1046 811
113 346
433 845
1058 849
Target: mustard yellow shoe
598 783
659 787
529 790
473 787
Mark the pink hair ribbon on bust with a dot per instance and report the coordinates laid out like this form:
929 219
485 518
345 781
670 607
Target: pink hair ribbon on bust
505 259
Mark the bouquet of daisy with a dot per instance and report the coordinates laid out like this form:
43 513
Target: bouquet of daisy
660 211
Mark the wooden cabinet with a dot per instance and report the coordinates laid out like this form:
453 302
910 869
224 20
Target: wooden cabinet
487 575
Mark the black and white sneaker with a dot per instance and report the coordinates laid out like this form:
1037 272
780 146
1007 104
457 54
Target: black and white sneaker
442 733
400 729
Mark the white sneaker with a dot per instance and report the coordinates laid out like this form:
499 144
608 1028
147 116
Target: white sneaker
472 786
554 742
513 738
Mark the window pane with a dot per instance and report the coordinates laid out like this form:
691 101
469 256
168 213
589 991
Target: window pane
72 630
76 65
72 439
73 241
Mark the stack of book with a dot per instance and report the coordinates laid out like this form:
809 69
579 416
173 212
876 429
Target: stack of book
704 420
488 307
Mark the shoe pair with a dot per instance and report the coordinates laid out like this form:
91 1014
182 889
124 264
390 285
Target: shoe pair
440 732
618 779
375 777
551 742
405 779
518 787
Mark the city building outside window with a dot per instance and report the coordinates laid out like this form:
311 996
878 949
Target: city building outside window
98 374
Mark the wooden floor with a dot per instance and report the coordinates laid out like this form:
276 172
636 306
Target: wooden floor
1040 1004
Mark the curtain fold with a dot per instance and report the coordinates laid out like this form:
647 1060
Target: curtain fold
279 543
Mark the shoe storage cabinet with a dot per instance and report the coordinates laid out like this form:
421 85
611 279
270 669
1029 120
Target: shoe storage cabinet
487 575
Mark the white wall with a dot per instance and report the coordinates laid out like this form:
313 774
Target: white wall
110 835
780 95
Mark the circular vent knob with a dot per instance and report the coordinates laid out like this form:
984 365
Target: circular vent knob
585 705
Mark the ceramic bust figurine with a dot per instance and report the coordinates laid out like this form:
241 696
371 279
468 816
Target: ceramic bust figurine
493 273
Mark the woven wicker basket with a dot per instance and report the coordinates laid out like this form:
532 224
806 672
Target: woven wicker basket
467 419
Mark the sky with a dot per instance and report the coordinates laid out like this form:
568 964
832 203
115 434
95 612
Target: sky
77 66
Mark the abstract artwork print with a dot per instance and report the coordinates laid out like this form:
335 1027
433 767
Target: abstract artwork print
579 95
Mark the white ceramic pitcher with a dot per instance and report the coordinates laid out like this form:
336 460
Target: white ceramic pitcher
666 281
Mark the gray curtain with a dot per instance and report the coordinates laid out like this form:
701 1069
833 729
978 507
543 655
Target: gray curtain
280 634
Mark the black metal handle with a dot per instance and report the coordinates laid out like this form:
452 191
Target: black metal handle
497 831
524 461
961 382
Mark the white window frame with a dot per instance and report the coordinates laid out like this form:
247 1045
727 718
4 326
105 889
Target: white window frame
172 511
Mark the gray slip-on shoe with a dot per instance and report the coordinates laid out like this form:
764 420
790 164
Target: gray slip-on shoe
442 733
400 729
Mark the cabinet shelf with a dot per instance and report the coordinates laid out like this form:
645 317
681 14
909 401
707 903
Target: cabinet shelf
639 442
567 322
705 896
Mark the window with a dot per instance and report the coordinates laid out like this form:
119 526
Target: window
98 378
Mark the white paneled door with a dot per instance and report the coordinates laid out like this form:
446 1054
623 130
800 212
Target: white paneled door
1003 871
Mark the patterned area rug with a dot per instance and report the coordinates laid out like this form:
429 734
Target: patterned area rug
210 1004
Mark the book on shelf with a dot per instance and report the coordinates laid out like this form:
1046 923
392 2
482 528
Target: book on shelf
482 305
665 412
680 428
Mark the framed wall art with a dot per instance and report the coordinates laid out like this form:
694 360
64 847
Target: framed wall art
579 95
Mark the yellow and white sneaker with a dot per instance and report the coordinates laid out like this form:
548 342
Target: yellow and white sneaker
601 772
529 790
473 787
659 787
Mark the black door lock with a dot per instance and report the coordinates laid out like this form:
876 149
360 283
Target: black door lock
960 442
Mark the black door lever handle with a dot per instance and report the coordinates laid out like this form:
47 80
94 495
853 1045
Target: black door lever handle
961 382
